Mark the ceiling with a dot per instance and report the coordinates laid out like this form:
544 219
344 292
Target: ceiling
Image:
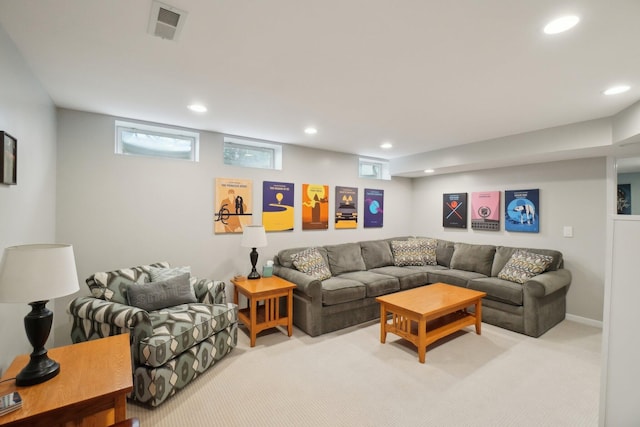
421 74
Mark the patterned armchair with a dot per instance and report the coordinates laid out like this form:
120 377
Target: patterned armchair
170 346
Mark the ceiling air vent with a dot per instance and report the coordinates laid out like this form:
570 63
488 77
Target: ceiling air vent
166 21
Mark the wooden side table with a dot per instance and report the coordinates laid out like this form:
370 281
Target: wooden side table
90 390
268 289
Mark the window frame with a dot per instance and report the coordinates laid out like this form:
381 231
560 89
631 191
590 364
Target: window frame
383 171
275 162
159 131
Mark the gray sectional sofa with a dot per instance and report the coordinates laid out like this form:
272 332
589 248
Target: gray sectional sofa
359 272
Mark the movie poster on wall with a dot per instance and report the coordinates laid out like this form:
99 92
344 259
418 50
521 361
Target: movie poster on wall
485 210
373 208
346 207
233 205
522 210
315 207
624 199
454 210
277 206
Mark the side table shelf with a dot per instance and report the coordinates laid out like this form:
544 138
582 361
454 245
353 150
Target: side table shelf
257 317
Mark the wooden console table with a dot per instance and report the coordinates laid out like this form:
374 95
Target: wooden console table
270 290
90 390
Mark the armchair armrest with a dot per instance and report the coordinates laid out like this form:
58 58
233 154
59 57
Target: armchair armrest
210 291
548 282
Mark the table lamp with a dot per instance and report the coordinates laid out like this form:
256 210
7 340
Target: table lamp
253 236
34 274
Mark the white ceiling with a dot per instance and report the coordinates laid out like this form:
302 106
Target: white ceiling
422 74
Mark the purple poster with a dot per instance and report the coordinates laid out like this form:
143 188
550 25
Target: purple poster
373 207
277 206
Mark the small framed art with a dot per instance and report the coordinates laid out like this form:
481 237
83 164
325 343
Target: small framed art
8 159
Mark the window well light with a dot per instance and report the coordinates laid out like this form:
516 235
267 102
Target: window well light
197 108
561 25
615 90
311 131
386 145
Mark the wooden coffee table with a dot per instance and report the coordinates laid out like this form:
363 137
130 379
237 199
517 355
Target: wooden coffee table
424 315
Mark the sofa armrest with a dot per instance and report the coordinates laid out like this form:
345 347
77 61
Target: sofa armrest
112 313
210 291
306 284
548 283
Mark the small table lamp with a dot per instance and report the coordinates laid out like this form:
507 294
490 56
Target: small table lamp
253 236
34 274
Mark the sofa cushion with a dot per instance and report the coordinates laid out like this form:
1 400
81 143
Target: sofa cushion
524 265
178 328
476 258
157 295
444 252
504 253
375 283
284 256
407 252
311 263
408 277
498 289
337 290
345 258
453 277
112 285
159 274
376 253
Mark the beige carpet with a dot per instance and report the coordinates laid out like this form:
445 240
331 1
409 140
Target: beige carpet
348 378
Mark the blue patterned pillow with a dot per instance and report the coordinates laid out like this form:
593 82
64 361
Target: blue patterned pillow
311 262
524 265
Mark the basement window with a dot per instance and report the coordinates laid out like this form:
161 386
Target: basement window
373 169
137 139
252 154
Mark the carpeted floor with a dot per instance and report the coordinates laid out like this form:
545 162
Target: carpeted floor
348 378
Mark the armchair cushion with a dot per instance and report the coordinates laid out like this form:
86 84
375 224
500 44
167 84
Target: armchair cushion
112 286
158 295
159 274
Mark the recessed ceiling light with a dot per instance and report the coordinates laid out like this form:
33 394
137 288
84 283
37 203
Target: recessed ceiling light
614 90
386 145
561 25
311 131
197 108
429 171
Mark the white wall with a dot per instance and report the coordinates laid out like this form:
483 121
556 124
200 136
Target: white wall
27 210
120 211
572 193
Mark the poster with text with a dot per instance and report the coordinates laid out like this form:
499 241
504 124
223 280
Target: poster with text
373 208
233 205
624 199
315 207
346 207
522 210
454 210
277 206
485 210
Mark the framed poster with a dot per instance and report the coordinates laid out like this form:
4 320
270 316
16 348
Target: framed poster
315 207
454 210
522 210
346 207
233 205
277 206
485 210
624 199
8 159
373 208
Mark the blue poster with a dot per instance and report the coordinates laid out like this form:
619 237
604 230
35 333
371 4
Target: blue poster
277 206
522 210
373 207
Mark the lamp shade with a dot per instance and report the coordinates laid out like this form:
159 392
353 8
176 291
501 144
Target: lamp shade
37 273
253 236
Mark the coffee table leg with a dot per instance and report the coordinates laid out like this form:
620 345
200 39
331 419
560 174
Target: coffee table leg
479 317
422 340
383 323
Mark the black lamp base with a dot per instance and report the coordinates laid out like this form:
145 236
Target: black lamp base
253 256
37 325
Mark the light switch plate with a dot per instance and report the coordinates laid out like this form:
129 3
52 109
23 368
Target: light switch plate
567 231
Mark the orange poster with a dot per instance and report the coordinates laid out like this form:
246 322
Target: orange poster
315 207
233 205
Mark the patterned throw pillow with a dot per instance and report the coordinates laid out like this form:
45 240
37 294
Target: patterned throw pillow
161 294
160 274
311 262
407 252
428 250
524 265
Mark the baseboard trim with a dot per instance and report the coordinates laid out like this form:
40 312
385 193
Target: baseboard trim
584 320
